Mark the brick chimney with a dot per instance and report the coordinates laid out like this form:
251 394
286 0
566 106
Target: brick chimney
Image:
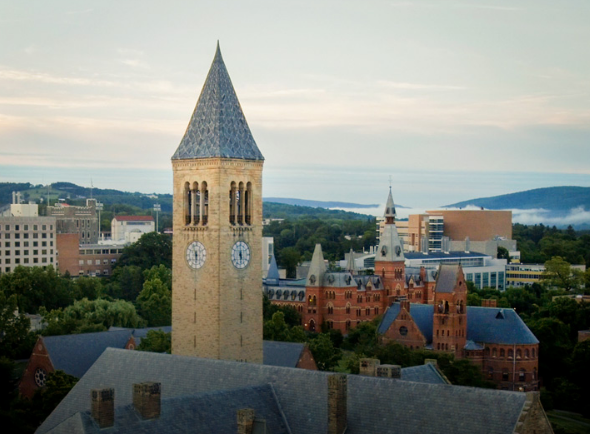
337 395
368 367
103 407
405 304
246 420
491 302
147 399
389 371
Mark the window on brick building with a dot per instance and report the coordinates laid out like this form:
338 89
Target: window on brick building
522 375
510 354
347 307
505 376
526 354
490 373
502 353
519 354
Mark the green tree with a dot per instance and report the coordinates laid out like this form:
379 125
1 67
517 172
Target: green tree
156 341
15 339
126 282
155 303
57 386
560 274
86 316
87 287
503 253
362 339
152 249
324 353
276 329
289 257
161 272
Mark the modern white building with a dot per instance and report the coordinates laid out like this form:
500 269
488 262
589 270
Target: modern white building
130 228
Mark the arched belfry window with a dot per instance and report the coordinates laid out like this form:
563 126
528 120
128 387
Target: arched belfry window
233 199
248 203
240 203
204 203
186 203
195 203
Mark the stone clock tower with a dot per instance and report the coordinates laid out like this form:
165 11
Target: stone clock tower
217 262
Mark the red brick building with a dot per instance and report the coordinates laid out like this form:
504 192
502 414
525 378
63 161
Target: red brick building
495 339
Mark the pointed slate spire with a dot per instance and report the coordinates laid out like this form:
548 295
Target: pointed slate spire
272 277
218 127
317 268
389 209
350 264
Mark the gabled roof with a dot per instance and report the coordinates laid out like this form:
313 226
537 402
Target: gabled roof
218 127
426 373
213 412
484 325
285 354
75 354
447 277
396 406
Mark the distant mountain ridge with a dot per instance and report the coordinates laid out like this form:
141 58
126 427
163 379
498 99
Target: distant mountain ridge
316 203
558 199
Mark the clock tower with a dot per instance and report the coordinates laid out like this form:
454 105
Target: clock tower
217 222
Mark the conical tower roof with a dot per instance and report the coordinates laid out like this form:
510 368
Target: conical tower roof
350 264
273 276
389 206
218 127
317 268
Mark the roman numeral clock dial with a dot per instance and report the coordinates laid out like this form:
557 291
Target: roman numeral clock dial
240 255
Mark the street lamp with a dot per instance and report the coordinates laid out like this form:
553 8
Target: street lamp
157 208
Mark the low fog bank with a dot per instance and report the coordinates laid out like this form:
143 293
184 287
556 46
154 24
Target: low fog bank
577 217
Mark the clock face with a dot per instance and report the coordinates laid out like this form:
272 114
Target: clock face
240 255
196 255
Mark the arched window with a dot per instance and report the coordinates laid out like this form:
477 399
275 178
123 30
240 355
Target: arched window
347 307
311 325
330 309
383 272
519 354
522 375
347 324
533 353
248 203
187 203
502 353
494 352
204 203
526 353
510 354
505 374
233 203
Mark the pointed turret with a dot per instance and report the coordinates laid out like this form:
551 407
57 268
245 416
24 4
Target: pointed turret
350 264
390 245
317 268
272 277
218 127
389 209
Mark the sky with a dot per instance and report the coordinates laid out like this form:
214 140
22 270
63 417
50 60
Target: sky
451 100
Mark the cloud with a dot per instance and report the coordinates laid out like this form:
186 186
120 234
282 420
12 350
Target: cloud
417 86
574 216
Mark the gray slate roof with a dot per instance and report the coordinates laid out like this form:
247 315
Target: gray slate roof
285 354
426 373
75 354
375 405
447 277
483 324
218 127
212 412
